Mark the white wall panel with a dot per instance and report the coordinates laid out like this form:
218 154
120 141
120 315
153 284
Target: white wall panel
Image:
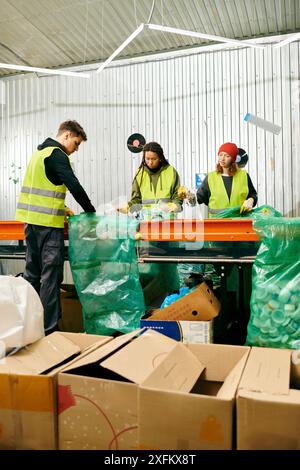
190 104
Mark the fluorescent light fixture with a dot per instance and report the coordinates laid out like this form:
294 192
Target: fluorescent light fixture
195 34
292 38
120 48
25 68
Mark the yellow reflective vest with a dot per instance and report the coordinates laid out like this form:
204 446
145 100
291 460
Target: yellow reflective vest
151 197
219 200
41 202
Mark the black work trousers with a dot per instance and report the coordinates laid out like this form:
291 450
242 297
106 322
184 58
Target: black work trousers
44 269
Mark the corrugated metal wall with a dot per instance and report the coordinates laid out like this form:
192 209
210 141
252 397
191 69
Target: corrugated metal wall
190 104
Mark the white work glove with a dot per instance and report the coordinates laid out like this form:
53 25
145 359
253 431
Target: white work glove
171 207
247 205
123 210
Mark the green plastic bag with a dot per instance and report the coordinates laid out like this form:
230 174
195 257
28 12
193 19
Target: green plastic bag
260 211
275 299
242 248
103 261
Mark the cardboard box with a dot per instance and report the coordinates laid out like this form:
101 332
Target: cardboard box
98 395
268 401
189 319
202 419
71 313
185 331
28 417
201 304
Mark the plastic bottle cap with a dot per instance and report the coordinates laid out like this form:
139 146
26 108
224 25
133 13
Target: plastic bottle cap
284 295
273 332
289 307
261 295
273 288
278 316
275 341
291 328
296 315
295 299
273 304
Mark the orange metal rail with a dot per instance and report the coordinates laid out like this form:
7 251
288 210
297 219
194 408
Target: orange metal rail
198 230
13 230
167 230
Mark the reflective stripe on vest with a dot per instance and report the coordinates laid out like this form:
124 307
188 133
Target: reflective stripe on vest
40 209
163 186
219 200
43 192
40 201
154 201
214 211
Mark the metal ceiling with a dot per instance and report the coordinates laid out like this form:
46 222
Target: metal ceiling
60 33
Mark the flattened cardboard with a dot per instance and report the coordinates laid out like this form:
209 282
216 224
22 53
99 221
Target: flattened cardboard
232 379
267 370
199 305
42 355
138 359
107 349
179 371
83 340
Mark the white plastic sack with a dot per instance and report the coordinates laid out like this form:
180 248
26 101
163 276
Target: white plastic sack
21 313
112 206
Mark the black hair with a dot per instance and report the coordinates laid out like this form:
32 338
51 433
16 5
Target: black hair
156 148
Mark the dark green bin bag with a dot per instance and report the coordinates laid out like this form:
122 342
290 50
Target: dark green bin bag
103 261
275 299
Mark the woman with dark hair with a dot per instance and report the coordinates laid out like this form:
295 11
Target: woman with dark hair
156 182
227 186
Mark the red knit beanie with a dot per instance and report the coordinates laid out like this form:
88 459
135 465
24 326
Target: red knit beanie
229 148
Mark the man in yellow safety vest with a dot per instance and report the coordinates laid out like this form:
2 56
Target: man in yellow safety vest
41 206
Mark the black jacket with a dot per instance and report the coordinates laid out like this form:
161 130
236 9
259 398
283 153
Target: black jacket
203 193
59 171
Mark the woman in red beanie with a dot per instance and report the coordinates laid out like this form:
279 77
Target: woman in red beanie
227 186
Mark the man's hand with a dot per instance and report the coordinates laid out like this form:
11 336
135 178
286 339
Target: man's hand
247 205
68 213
